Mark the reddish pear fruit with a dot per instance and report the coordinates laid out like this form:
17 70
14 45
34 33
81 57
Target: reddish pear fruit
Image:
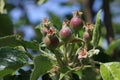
76 22
65 32
51 40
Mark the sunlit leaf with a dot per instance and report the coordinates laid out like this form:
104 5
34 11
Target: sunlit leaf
97 30
110 71
10 60
2 4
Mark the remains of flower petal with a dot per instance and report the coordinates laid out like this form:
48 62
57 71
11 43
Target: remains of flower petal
89 27
82 53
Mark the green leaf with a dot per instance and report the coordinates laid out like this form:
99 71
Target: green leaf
97 30
110 71
112 46
6 25
38 32
42 64
89 74
12 41
116 28
23 20
2 4
30 44
10 60
16 40
55 20
40 2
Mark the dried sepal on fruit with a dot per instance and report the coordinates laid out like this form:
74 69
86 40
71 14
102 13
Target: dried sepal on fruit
45 27
46 23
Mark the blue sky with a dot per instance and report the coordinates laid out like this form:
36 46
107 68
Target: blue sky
36 13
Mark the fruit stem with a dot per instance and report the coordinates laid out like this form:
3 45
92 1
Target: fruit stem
74 60
96 62
72 49
78 40
59 60
65 53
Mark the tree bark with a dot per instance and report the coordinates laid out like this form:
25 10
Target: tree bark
107 21
87 7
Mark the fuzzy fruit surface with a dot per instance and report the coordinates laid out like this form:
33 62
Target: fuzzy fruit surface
44 31
87 36
76 23
51 42
65 33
